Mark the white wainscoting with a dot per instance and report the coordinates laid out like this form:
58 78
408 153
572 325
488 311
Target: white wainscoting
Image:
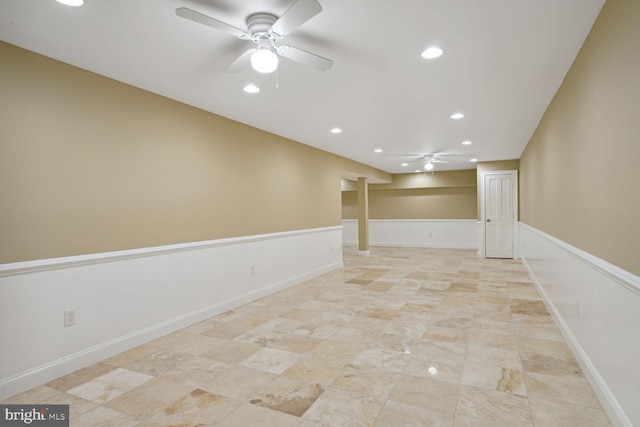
597 307
126 298
425 233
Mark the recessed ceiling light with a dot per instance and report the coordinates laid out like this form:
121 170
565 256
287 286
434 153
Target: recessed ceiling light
466 142
432 52
473 160
336 130
405 164
457 116
418 171
71 2
378 150
251 89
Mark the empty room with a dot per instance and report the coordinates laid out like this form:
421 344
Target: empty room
319 213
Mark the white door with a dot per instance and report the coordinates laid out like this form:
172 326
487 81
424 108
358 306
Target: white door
499 214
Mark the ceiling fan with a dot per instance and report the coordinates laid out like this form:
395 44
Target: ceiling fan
428 160
266 30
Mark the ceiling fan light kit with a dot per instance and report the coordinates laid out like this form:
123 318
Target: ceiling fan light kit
263 60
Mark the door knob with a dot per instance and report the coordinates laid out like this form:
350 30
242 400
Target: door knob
488 220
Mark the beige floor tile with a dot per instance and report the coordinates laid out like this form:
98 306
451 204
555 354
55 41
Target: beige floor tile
494 356
149 398
81 376
104 417
439 350
36 395
494 378
295 343
77 406
342 408
442 370
230 351
490 339
122 359
538 364
257 416
438 333
557 414
109 386
572 389
239 382
366 380
288 395
271 360
196 372
426 392
391 360
186 342
198 408
396 414
551 333
555 349
158 362
482 407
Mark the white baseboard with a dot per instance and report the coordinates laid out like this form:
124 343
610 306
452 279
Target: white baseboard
184 284
422 233
596 305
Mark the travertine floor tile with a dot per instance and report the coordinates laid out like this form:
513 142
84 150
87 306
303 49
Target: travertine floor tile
396 414
343 408
257 416
109 386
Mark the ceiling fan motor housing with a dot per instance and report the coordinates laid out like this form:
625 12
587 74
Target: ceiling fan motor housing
259 25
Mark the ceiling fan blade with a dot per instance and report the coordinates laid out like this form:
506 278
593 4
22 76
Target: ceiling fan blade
240 63
297 14
198 17
306 58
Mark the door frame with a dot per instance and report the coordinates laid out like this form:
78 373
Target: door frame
483 220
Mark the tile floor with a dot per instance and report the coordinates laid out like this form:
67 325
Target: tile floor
406 337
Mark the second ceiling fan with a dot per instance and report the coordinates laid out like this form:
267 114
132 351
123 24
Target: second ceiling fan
266 30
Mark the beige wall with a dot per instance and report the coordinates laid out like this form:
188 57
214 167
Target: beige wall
579 174
438 195
90 165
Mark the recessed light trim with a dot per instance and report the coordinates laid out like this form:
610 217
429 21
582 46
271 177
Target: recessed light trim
378 150
251 88
466 143
432 52
336 130
474 160
405 164
71 2
457 116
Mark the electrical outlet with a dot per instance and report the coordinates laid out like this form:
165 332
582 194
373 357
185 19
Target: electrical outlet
69 317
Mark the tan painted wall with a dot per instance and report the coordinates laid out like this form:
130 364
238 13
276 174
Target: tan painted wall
441 195
91 165
579 174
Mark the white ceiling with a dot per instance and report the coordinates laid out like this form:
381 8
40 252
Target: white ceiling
503 62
